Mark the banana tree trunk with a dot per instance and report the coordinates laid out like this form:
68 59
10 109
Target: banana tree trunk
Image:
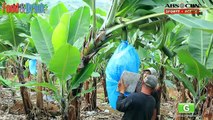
90 98
74 105
46 73
93 97
208 105
39 96
160 90
103 79
86 87
24 93
7 70
182 100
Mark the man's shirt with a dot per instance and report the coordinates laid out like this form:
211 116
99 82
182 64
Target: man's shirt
154 93
137 106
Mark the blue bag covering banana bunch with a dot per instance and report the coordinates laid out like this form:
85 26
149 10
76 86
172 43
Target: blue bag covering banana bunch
126 58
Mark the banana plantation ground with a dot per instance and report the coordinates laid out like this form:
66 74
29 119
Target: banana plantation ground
15 110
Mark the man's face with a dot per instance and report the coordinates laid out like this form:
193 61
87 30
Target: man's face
146 73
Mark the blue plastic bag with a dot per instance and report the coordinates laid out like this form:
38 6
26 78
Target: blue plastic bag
126 58
32 66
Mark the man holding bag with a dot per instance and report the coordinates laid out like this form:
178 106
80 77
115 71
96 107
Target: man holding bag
137 106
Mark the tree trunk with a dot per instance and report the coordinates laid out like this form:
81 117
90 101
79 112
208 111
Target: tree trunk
161 89
74 105
90 98
46 73
7 70
87 95
63 109
103 80
39 96
182 100
208 105
93 96
162 84
24 93
3 74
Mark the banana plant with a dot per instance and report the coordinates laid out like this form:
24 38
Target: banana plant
198 55
12 35
57 47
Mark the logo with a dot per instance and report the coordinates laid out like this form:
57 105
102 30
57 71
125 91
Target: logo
186 108
23 8
182 8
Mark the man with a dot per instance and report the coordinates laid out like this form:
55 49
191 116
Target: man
155 93
137 106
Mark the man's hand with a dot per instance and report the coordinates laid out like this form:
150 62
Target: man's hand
121 86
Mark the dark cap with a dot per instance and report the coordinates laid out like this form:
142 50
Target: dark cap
151 81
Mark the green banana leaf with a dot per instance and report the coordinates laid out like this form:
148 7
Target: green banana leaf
65 61
192 66
83 76
200 43
79 24
56 14
10 29
193 22
182 78
41 33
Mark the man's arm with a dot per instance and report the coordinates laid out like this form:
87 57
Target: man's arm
123 103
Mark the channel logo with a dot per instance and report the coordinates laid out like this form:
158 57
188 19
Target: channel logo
186 108
182 8
23 8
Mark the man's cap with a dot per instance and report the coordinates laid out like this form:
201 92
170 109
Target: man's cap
152 71
151 81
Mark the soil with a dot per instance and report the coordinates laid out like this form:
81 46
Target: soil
12 108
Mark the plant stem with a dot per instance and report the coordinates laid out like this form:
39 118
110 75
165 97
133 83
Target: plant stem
111 15
39 95
124 34
94 19
108 31
152 23
63 101
25 49
208 50
23 90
